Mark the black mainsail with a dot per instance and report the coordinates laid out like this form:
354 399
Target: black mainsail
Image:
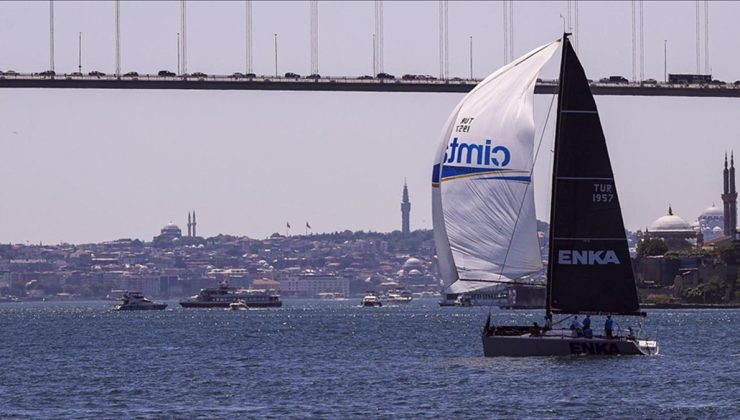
589 267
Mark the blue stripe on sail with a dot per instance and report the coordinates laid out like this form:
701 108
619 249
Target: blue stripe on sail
450 171
435 174
511 178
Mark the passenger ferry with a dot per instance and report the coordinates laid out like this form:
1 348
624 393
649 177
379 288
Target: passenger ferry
224 295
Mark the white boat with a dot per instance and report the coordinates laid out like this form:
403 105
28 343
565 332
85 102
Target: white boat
484 215
398 296
371 300
136 301
239 305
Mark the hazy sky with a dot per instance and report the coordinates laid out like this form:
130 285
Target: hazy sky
93 165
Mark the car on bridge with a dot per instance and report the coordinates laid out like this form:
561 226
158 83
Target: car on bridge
166 73
291 75
131 74
96 73
48 73
365 77
199 75
9 73
237 75
250 75
385 76
314 76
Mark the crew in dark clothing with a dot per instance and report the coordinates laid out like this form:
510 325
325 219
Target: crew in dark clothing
587 322
608 327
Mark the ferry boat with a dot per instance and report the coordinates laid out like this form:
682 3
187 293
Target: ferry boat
371 300
224 295
136 301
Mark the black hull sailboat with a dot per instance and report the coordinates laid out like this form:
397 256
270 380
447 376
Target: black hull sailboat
484 218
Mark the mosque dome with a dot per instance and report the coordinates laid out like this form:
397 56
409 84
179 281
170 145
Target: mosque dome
170 226
412 263
712 211
669 222
414 273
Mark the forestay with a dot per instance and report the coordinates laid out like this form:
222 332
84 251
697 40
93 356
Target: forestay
485 228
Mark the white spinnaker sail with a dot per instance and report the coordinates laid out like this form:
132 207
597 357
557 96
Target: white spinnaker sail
485 228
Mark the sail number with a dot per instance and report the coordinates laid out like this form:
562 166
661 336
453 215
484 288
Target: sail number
602 193
464 125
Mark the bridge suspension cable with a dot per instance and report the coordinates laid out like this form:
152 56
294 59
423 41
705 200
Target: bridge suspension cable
183 37
51 35
378 58
118 38
444 57
314 37
248 30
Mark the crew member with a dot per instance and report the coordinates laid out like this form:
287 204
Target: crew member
608 326
587 322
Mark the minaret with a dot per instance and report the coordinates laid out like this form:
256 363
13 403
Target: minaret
190 231
729 197
194 223
405 210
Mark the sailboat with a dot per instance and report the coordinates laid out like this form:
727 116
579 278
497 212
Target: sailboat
484 212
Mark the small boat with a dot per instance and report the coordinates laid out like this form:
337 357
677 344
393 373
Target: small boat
398 296
371 300
239 305
484 215
464 300
136 301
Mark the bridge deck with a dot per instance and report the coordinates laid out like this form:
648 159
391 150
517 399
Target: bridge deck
343 84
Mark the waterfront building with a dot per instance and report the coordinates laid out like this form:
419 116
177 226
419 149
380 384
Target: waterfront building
313 284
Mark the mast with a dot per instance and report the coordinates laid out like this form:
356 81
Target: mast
551 247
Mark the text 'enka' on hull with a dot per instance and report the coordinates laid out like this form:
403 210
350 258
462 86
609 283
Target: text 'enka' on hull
224 296
484 215
563 343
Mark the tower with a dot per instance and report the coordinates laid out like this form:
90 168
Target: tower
405 210
194 223
729 197
190 226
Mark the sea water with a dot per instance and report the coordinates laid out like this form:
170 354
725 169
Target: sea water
333 359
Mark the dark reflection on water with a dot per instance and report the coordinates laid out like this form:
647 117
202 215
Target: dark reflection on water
333 359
